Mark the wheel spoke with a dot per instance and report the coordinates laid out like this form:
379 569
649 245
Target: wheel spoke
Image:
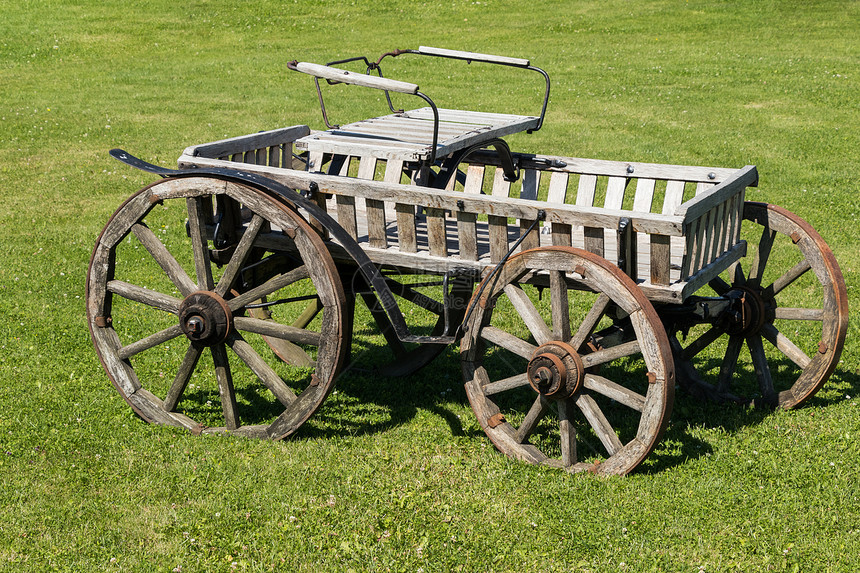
145 296
608 354
560 306
508 341
720 286
240 255
225 386
272 328
762 370
530 315
517 381
762 255
199 243
786 346
589 323
701 343
599 424
183 375
730 361
164 259
262 370
615 391
567 432
268 287
538 410
816 314
789 277
150 341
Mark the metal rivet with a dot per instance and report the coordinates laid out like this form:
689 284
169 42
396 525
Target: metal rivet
630 169
712 175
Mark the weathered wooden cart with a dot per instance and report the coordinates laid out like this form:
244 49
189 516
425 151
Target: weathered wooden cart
647 271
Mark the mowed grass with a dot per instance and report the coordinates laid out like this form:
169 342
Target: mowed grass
395 474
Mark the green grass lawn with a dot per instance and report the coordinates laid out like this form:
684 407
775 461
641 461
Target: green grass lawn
396 474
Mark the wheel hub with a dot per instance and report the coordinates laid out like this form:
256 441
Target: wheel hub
205 317
555 371
748 314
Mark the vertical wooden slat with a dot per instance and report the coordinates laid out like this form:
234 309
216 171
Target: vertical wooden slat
672 200
261 156
531 181
406 239
593 240
584 198
287 155
315 160
660 259
375 209
561 232
690 253
274 156
719 231
643 199
498 226
466 228
614 199
437 240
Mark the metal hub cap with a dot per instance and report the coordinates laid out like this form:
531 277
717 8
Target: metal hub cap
205 317
555 371
751 315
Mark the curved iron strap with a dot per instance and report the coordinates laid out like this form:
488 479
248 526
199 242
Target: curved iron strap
371 273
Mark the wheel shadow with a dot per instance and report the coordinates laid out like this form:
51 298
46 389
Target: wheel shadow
364 403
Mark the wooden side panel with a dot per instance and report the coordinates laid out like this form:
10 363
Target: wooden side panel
614 199
584 198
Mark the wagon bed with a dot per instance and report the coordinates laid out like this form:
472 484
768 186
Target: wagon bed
678 226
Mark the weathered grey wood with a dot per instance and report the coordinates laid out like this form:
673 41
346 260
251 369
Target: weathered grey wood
735 183
567 433
516 381
225 386
196 226
262 370
594 240
143 295
233 145
230 274
150 341
530 180
358 79
267 288
615 391
277 330
561 232
472 56
498 225
436 233
530 315
183 376
165 260
660 259
599 424
466 228
508 341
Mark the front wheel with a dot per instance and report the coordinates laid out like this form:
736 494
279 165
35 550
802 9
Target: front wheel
581 379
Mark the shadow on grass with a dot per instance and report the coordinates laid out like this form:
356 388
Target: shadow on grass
366 403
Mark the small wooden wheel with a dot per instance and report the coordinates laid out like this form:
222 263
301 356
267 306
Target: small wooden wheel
151 323
794 298
582 379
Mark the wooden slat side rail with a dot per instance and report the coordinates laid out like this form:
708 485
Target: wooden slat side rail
482 204
234 145
472 56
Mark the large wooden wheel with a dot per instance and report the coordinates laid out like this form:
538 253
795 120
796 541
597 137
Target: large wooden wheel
186 351
793 324
579 379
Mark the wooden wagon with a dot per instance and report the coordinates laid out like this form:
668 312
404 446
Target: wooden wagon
580 291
